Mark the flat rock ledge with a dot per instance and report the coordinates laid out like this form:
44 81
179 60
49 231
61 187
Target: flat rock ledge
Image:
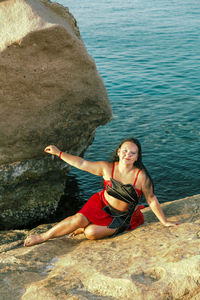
151 262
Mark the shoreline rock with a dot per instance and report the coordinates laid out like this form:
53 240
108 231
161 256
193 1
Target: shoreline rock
51 93
151 262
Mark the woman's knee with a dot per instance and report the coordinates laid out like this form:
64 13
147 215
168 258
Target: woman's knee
90 233
79 219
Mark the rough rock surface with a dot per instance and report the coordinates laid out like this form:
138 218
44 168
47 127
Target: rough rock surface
152 262
50 93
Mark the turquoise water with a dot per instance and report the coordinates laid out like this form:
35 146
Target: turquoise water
148 54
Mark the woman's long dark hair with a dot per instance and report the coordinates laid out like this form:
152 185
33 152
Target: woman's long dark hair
139 164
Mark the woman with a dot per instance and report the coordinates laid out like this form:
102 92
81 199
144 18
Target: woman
115 209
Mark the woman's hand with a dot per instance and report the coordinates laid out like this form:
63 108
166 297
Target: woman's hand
52 150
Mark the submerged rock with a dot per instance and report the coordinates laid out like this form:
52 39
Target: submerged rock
151 262
51 93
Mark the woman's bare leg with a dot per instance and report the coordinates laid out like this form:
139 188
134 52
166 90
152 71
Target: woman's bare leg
94 232
66 226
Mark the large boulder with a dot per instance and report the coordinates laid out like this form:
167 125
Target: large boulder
152 262
51 93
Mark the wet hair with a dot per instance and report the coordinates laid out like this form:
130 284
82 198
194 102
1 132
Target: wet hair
138 164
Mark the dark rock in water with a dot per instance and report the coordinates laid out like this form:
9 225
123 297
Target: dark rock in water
51 93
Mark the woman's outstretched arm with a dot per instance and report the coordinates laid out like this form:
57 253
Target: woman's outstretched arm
94 167
153 202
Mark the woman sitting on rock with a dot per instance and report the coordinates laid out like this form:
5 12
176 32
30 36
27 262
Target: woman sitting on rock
115 209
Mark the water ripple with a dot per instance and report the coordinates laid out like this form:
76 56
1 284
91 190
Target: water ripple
147 53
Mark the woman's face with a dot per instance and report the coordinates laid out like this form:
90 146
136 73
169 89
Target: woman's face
128 153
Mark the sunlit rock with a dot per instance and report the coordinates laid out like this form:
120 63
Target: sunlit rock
151 262
51 93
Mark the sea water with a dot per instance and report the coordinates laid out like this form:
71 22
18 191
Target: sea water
148 54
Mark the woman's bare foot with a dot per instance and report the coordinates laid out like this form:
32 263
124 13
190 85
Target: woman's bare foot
33 240
76 232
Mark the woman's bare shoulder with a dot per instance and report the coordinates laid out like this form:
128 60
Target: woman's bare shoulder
108 167
146 183
142 175
142 178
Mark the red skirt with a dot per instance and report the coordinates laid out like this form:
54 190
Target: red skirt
93 211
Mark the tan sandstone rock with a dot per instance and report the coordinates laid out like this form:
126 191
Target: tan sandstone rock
50 93
152 262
